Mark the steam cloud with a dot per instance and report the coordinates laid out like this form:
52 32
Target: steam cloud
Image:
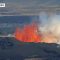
50 27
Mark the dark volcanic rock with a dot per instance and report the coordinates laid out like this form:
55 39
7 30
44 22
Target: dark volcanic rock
14 50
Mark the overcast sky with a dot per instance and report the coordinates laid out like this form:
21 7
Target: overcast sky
28 6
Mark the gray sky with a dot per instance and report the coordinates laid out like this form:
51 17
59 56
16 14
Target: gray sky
27 6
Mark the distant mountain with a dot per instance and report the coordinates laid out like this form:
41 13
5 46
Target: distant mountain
15 19
8 24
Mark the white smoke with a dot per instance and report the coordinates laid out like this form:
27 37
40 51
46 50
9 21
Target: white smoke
52 26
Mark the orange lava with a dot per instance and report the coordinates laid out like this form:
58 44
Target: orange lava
28 34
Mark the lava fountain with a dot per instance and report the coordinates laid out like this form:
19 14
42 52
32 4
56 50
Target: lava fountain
28 34
31 33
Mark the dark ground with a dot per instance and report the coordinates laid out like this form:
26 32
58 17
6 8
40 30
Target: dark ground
11 49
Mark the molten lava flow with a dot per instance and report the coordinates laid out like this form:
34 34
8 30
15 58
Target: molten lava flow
28 34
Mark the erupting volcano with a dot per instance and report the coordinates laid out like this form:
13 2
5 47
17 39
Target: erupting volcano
31 33
28 34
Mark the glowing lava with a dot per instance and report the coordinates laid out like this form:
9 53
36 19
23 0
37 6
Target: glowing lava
28 34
